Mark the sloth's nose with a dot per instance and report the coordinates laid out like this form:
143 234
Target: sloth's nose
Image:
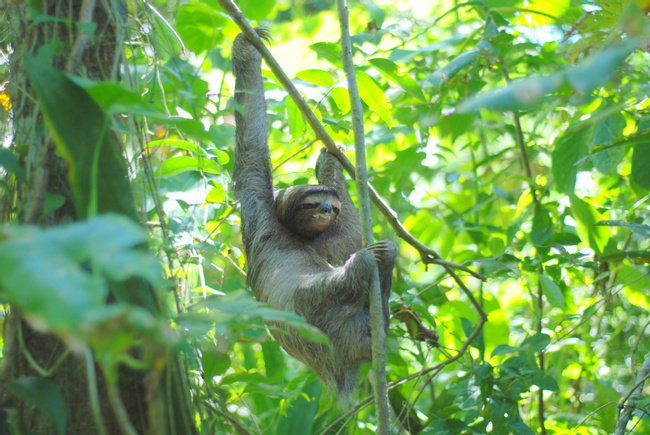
326 207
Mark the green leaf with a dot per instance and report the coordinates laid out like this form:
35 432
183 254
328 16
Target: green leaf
329 51
301 415
640 174
599 68
115 98
9 161
537 342
605 133
70 260
317 77
642 229
273 358
297 124
176 165
504 349
200 26
214 362
446 73
523 94
586 215
256 9
216 195
341 98
177 143
390 70
543 227
570 148
45 396
552 292
373 96
101 187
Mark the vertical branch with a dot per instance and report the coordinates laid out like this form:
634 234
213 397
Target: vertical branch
376 316
540 303
634 394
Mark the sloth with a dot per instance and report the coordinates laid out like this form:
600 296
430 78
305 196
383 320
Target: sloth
303 244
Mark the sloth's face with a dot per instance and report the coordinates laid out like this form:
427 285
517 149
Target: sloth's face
308 210
316 213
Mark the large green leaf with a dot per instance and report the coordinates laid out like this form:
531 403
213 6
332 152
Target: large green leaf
58 275
329 51
599 68
200 26
97 173
552 292
390 70
587 216
605 133
530 92
299 418
641 165
317 77
373 96
570 148
176 165
45 396
543 226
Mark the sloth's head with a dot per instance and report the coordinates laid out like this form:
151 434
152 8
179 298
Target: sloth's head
307 210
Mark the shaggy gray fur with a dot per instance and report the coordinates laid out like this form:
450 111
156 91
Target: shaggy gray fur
296 274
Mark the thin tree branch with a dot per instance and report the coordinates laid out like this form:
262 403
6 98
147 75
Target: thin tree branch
83 38
376 308
625 416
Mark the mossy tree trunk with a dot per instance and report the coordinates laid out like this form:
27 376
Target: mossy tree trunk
28 353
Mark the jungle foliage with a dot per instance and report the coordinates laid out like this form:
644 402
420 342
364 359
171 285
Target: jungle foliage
512 138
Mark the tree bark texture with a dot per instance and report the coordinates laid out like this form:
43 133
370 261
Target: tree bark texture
28 352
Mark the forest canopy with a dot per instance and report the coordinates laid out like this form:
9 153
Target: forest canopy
508 143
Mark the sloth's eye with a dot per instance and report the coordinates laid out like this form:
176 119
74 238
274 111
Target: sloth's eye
309 205
336 210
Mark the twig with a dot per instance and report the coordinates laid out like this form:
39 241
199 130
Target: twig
624 417
93 393
82 39
119 409
376 309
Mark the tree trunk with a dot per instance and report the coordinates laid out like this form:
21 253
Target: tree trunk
30 353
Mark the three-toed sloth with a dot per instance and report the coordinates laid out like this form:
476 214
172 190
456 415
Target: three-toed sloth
303 244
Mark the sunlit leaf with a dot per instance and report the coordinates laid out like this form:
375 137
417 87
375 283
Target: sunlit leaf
599 68
341 98
200 26
297 124
543 226
523 94
116 98
317 77
176 165
65 287
177 143
552 292
390 70
217 194
329 51
446 73
586 215
640 173
373 96
605 132
569 149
